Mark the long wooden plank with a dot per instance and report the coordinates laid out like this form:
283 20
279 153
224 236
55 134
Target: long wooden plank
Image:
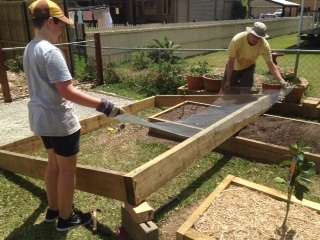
263 151
98 181
192 234
172 100
140 105
25 145
274 193
160 170
95 122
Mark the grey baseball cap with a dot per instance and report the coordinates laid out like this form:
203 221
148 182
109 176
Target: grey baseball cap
258 29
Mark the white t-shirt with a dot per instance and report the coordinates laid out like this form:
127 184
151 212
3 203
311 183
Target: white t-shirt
49 113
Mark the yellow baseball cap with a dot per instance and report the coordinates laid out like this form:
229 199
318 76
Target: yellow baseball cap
46 9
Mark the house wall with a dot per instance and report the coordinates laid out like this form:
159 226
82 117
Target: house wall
309 4
185 11
257 7
182 11
199 11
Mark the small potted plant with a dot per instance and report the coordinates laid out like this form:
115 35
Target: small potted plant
212 81
299 86
269 83
195 75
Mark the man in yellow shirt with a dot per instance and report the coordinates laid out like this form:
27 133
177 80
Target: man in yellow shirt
243 50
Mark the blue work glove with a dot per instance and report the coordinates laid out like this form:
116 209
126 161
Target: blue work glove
109 109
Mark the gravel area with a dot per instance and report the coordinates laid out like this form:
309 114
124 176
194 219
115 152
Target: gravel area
14 124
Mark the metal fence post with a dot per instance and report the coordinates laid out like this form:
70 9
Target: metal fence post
97 45
4 78
297 63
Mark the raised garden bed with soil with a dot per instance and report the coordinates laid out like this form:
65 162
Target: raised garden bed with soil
267 138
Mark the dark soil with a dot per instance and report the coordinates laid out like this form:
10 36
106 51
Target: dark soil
283 132
266 128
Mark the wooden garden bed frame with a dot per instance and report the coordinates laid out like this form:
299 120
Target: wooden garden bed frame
239 145
134 187
187 232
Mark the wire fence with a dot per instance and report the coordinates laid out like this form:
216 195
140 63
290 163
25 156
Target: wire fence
302 62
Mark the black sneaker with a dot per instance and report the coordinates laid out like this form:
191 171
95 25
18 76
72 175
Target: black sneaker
76 219
51 215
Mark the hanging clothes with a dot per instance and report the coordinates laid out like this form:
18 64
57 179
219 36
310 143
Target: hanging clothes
109 20
79 15
71 17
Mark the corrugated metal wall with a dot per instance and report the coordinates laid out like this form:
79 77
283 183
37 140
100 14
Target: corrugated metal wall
183 11
202 10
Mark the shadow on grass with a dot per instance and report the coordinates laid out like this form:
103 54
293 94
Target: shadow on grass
30 229
310 45
196 184
306 45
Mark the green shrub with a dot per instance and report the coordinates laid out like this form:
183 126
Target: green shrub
200 69
168 55
163 78
15 64
110 75
89 73
141 60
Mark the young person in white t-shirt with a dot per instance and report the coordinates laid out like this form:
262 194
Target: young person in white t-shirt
52 115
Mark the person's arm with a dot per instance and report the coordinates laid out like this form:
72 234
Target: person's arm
70 93
273 69
230 66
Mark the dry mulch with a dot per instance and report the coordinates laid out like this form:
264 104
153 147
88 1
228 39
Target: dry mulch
241 213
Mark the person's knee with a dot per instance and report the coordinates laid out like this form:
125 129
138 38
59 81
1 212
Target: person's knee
67 164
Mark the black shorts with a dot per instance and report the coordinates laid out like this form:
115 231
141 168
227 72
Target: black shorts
66 146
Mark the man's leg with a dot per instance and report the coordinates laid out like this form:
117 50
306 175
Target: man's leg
247 77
